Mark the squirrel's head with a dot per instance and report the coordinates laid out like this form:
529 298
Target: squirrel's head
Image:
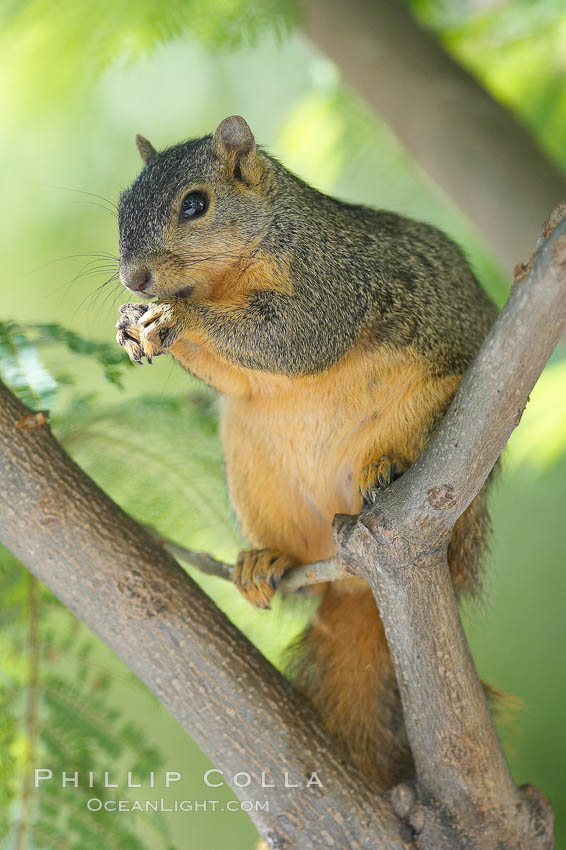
196 213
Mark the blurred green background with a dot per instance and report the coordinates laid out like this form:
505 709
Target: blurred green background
79 81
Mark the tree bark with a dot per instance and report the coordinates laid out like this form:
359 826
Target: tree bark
472 147
113 575
400 546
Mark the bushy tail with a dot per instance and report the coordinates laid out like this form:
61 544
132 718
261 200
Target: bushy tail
344 667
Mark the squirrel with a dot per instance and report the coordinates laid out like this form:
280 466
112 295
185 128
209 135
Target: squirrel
336 335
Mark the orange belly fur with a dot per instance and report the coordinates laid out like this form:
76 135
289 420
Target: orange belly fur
294 447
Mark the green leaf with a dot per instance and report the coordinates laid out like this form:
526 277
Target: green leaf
109 356
22 370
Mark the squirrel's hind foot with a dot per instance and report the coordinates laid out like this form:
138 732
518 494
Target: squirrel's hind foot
379 475
258 572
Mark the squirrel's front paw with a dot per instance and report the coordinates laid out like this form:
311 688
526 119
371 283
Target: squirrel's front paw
128 335
160 326
147 330
258 572
378 475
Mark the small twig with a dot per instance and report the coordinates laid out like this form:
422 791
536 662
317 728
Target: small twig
294 580
203 562
307 574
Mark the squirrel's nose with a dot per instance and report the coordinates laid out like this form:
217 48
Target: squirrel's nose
137 279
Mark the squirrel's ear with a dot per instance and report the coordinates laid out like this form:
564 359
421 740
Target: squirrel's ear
145 149
234 145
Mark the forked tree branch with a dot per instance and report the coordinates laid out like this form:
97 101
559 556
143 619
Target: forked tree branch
113 575
400 546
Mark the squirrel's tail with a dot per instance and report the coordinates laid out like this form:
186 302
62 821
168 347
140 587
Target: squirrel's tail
344 667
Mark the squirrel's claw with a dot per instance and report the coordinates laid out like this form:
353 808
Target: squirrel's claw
257 574
128 333
130 346
379 475
158 328
133 310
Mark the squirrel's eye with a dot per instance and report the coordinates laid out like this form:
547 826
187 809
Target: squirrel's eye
193 205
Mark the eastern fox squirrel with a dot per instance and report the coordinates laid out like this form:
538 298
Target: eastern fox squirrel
337 336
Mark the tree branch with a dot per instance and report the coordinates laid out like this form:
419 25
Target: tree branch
400 544
472 147
109 571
